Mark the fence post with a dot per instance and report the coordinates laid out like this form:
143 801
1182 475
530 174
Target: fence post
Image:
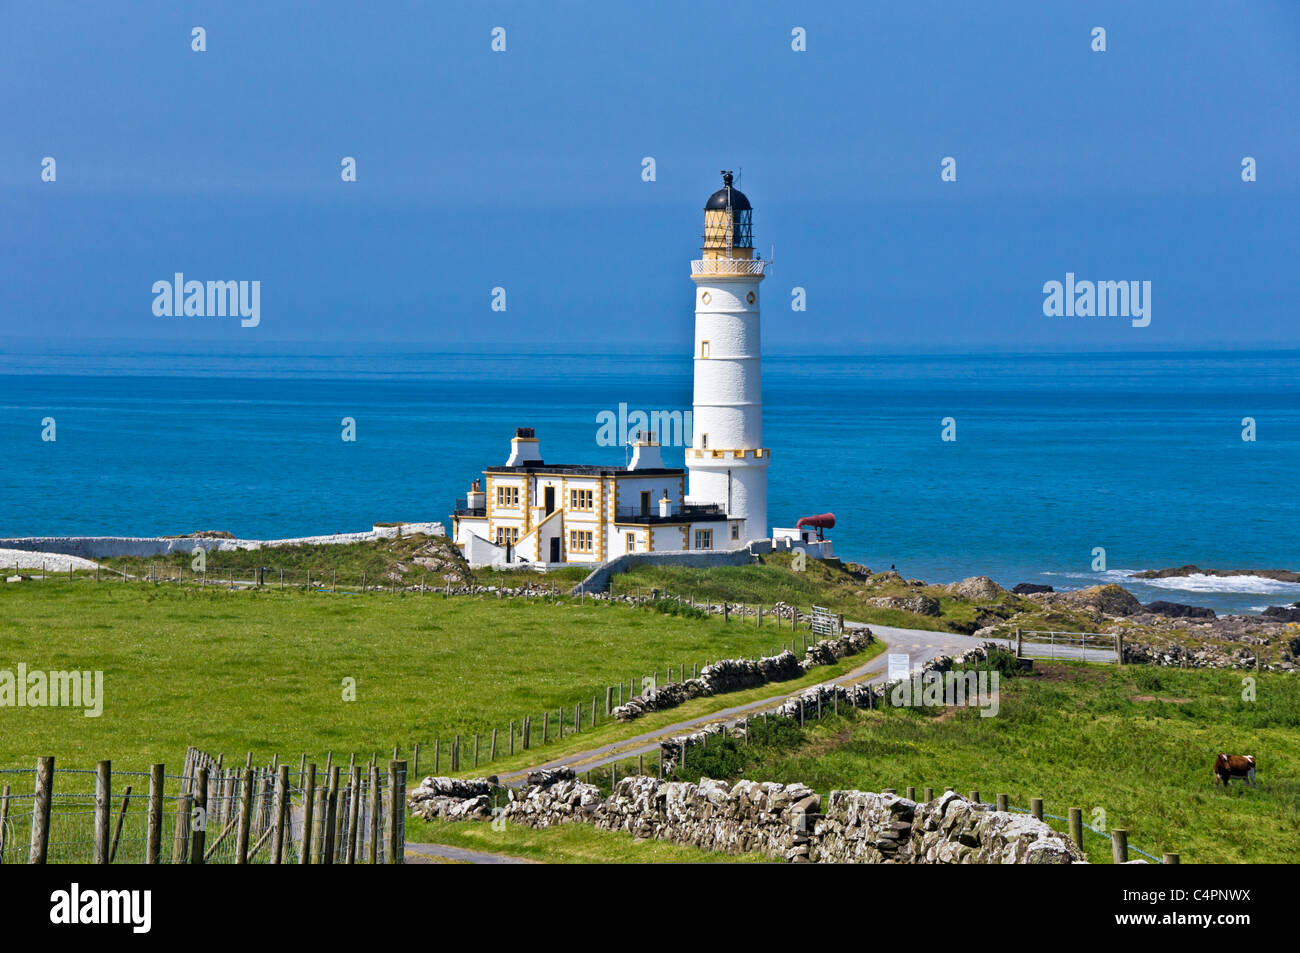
437 745
1020 645
121 818
308 813
281 813
1119 845
1076 826
103 794
181 842
492 755
317 846
394 805
929 794
199 834
245 816
1002 803
911 793
331 817
593 711
415 759
1170 858
1036 807
975 797
354 813
42 796
609 698
372 845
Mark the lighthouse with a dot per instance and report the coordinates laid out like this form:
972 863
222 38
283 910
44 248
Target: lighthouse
727 461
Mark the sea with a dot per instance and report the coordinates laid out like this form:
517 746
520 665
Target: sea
1060 469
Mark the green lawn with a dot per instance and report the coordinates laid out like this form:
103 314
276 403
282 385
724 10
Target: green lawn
563 844
263 670
1137 743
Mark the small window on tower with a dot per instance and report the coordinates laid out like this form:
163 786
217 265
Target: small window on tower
704 441
704 349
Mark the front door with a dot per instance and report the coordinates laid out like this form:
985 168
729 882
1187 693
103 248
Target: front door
550 500
645 502
555 549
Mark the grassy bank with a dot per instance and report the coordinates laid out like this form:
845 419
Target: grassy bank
828 585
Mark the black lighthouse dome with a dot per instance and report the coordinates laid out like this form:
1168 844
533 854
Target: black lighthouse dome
727 197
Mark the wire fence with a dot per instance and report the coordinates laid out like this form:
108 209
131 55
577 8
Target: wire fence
1075 827
1073 646
207 814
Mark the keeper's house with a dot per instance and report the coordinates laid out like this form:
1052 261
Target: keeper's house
529 511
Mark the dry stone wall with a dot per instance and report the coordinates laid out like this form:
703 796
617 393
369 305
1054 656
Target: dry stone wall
731 675
780 821
811 703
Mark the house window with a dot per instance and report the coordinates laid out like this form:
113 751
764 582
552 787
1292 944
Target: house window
508 496
704 349
631 542
507 534
735 531
704 539
580 541
582 499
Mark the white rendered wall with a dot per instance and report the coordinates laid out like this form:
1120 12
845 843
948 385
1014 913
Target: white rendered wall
728 404
729 382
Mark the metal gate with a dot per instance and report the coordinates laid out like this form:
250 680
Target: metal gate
822 622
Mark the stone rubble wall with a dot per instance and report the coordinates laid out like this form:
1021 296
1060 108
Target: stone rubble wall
780 821
730 675
807 704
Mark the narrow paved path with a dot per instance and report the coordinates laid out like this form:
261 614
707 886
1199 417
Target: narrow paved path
432 853
920 646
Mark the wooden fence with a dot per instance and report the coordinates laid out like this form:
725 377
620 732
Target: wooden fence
214 814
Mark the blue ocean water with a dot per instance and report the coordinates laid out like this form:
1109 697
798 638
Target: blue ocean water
1139 453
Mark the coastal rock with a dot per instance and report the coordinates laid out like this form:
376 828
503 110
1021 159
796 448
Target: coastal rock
1281 614
1177 610
1109 599
1030 588
976 588
1279 575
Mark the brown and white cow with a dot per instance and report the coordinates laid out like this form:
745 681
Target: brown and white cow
1229 766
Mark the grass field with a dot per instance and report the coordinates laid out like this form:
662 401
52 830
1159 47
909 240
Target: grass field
564 844
263 670
1136 743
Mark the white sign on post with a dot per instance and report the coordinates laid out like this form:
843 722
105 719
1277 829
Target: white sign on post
900 667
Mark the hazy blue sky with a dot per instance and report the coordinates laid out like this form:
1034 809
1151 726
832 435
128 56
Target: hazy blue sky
522 169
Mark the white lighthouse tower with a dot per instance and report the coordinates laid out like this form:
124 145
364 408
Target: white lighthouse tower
727 460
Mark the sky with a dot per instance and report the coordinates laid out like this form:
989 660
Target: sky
523 169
